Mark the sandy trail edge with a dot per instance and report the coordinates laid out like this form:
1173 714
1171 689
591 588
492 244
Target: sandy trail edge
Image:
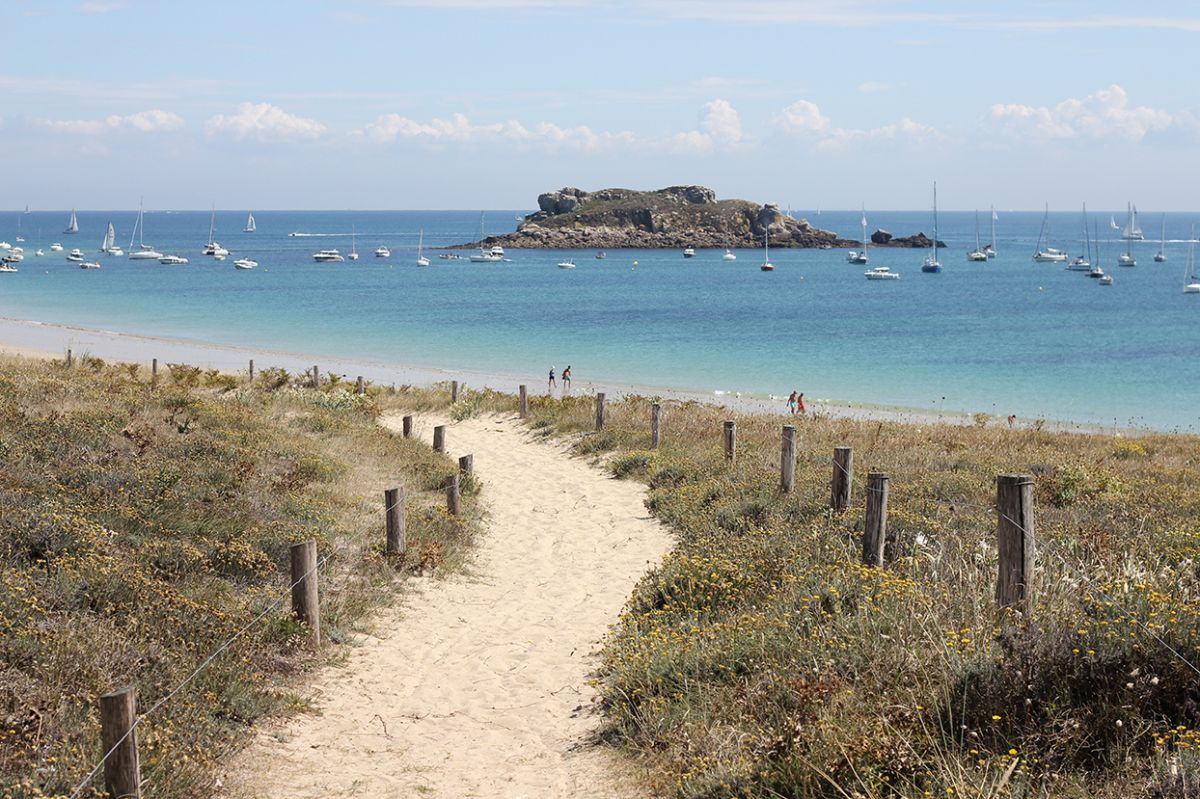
478 686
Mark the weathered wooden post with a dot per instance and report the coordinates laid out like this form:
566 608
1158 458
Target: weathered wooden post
787 460
360 387
599 411
1014 528
843 473
69 360
316 376
393 509
655 425
453 391
875 532
452 495
154 370
251 370
407 426
730 440
118 736
439 438
523 405
305 605
466 464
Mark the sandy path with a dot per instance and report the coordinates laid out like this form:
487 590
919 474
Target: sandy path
478 686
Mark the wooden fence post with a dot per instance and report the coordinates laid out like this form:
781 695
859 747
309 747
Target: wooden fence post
787 460
875 532
453 391
523 405
251 370
154 370
466 464
731 440
407 426
69 361
305 605
1014 529
599 411
393 509
843 475
452 495
360 387
316 377
655 425
439 438
118 712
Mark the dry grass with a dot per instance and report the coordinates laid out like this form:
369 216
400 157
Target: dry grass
143 525
761 660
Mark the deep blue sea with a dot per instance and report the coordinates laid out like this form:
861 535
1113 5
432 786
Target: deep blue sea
1009 336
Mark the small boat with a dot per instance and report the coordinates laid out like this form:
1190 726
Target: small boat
728 256
689 252
1126 259
4 245
497 250
1132 232
245 263
860 256
213 247
932 264
353 254
89 265
219 257
7 267
1096 272
485 257
881 273
421 259
172 260
1107 280
109 246
382 252
977 255
1083 261
39 253
15 256
75 255
601 255
1051 255
250 226
766 265
144 252
328 257
567 264
56 247
990 248
1191 284
73 225
10 259
1161 255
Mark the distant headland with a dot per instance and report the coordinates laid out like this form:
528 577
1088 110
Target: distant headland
674 217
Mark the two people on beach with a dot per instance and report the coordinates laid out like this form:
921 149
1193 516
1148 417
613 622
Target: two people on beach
795 403
566 379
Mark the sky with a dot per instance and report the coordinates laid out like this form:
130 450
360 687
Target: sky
429 104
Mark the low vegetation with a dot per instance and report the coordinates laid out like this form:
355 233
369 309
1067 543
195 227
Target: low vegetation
760 659
145 523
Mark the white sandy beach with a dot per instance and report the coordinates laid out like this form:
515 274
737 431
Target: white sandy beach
478 685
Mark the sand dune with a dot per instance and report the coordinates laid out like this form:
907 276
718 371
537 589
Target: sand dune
478 686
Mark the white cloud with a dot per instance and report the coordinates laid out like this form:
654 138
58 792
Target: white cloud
459 128
720 121
102 7
152 121
873 87
1102 114
264 122
802 117
906 130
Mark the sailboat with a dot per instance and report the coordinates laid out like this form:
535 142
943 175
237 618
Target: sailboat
1083 261
20 238
421 259
1112 223
767 266
485 256
1191 284
978 254
213 247
250 226
1131 232
73 225
353 256
1050 254
1161 255
990 249
144 252
932 264
860 256
109 246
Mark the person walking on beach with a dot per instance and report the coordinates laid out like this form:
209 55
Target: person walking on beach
566 378
792 402
800 403
550 383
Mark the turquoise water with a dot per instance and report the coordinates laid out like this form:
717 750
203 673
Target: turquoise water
1010 336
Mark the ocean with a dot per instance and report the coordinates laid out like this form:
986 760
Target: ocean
1008 336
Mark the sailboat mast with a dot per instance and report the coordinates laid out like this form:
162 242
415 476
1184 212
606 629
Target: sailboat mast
992 208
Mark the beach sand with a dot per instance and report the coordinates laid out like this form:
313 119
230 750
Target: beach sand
478 685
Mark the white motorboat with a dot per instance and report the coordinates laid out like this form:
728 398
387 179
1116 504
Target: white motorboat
7 267
73 225
1051 255
382 252
39 253
497 250
10 259
1107 280
89 265
218 257
172 260
728 256
328 257
766 265
485 257
421 259
245 263
250 226
56 247
881 273
860 256
689 252
4 245
567 264
75 255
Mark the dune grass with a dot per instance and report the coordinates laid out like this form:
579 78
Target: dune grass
760 659
142 525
